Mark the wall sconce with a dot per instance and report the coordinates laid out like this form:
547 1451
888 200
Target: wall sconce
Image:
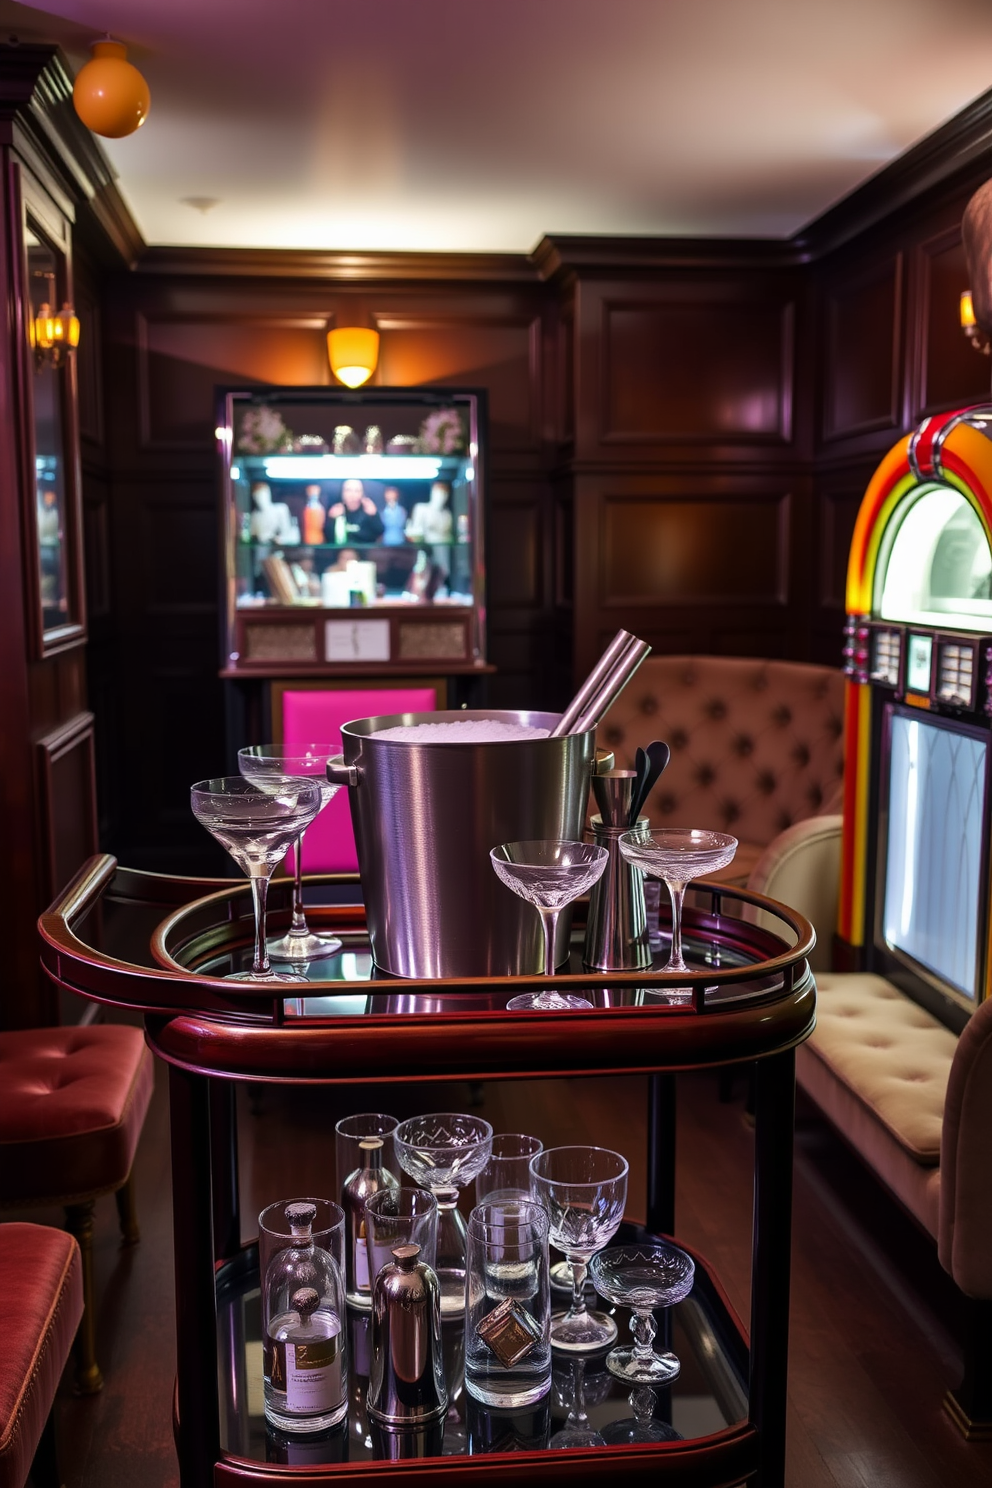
53 334
353 354
970 326
110 95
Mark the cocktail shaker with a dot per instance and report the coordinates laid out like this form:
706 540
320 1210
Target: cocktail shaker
617 936
406 1386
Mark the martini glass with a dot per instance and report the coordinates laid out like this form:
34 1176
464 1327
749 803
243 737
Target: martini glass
444 1152
643 1277
549 875
256 826
677 855
584 1190
265 764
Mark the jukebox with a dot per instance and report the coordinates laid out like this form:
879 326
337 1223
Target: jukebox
916 876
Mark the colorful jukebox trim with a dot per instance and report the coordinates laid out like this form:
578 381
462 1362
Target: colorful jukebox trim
949 453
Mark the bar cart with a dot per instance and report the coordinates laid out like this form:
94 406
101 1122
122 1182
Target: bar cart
163 945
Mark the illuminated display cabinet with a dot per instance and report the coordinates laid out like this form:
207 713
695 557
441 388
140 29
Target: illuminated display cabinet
353 531
916 878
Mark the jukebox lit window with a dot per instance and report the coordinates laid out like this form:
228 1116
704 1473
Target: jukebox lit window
938 568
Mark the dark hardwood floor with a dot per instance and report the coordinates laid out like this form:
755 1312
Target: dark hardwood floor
874 1320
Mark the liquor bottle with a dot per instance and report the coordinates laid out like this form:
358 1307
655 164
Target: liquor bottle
359 1187
305 1365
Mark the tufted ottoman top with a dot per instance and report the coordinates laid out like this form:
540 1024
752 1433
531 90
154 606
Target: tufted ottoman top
72 1104
890 1053
756 745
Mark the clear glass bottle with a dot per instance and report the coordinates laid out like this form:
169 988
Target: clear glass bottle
305 1363
359 1187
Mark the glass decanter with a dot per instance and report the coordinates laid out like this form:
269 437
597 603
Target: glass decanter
305 1369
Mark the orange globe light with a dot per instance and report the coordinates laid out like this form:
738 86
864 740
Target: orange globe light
353 354
110 95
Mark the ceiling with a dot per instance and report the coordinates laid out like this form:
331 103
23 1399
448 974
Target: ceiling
481 125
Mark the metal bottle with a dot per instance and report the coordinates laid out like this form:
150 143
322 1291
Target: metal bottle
406 1387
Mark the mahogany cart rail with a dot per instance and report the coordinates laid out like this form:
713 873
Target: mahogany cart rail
160 945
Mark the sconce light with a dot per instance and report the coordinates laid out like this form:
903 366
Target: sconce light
110 95
53 333
353 354
970 326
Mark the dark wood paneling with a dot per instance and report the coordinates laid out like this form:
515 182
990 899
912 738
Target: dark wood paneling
66 776
681 550
697 371
864 338
949 373
515 554
838 509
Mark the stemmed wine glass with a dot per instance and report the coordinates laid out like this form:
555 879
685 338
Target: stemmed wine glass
643 1277
256 826
677 855
265 764
549 874
584 1190
444 1152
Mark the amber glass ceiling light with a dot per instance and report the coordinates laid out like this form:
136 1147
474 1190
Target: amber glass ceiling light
353 354
110 95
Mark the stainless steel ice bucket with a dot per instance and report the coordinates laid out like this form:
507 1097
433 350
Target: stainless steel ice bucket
425 818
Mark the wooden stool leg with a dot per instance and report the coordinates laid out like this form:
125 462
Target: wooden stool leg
79 1222
127 1212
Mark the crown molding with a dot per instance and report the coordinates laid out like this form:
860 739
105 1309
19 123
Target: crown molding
564 255
339 266
36 100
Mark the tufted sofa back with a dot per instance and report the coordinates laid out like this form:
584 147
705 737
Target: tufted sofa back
756 745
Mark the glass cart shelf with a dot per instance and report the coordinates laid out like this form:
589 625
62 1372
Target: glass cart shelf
156 943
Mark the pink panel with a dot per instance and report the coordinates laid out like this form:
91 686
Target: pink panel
316 717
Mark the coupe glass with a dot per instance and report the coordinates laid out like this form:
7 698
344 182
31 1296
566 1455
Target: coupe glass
584 1190
256 826
267 763
643 1277
641 1427
678 855
549 875
444 1152
576 1392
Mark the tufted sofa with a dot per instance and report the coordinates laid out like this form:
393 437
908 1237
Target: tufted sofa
912 1098
756 745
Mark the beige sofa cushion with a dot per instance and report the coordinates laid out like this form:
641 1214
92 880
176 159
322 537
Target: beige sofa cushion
890 1053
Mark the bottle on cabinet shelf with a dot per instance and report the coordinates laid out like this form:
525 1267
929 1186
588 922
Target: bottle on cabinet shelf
305 1364
358 1188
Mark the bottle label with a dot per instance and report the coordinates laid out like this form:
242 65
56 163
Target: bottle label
313 1375
361 1262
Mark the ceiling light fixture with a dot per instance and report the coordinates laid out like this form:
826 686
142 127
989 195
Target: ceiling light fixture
353 354
110 95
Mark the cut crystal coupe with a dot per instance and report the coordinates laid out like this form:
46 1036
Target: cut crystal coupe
643 1277
549 874
444 1152
265 765
677 855
256 826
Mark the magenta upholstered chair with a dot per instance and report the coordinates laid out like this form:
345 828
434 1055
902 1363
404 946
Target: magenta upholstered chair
315 716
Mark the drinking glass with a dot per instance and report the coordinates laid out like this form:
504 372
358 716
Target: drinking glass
641 1427
584 1190
256 826
549 874
507 1304
677 855
444 1152
400 1216
267 763
575 1391
643 1277
507 1173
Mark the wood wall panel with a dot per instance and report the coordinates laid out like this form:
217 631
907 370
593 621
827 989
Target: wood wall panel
515 556
686 550
697 371
864 339
66 775
949 372
502 354
838 510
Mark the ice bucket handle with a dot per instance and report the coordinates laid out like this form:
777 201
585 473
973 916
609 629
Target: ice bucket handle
338 773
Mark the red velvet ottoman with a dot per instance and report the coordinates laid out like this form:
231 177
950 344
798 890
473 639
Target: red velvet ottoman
72 1105
41 1303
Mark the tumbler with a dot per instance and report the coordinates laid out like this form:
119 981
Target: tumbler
507 1304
